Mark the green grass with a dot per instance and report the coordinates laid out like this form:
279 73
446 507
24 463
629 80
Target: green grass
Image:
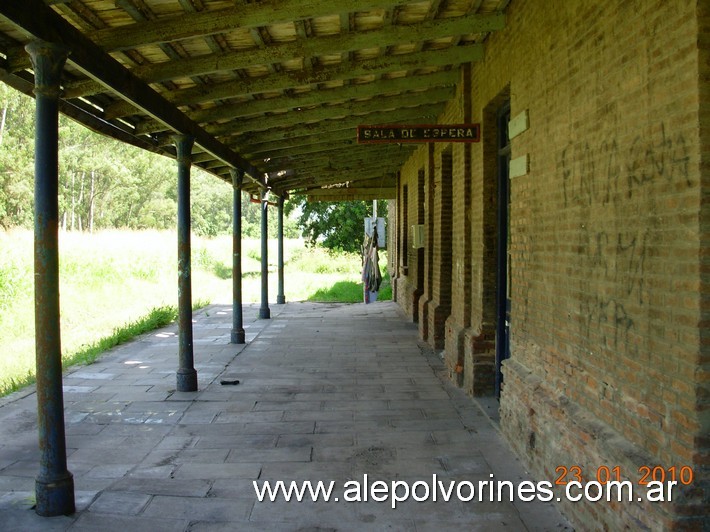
122 277
350 292
346 291
156 318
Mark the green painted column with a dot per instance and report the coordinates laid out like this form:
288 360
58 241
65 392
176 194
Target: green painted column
264 311
54 485
238 336
186 373
280 297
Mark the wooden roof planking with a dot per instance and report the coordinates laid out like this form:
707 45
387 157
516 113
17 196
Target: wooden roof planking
274 87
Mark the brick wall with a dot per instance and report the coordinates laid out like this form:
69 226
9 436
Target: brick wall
608 243
702 405
410 282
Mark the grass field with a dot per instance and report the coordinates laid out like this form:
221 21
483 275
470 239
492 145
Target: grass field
116 284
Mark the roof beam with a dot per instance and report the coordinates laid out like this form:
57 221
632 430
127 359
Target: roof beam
86 118
367 179
343 140
34 17
344 42
303 185
327 127
242 15
316 97
364 163
384 181
312 141
351 194
342 153
332 176
287 80
328 173
331 172
434 96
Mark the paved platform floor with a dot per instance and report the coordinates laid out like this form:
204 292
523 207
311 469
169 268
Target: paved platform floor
326 392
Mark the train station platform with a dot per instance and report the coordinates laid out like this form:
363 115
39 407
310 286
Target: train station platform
320 392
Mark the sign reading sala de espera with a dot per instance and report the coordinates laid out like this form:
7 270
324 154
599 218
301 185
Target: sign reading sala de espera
419 133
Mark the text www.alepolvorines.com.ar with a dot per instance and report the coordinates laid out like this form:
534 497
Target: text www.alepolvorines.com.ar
436 490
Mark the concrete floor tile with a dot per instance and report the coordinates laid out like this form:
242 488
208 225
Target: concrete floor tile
173 487
327 392
239 441
20 520
112 471
251 417
303 515
283 427
281 406
180 456
199 509
317 415
206 471
312 471
279 454
153 472
315 440
91 522
120 503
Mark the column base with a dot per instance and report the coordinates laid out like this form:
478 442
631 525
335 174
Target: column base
55 497
187 380
238 336
280 300
264 313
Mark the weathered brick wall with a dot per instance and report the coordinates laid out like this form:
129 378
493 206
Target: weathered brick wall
392 229
442 169
407 282
702 404
605 240
609 328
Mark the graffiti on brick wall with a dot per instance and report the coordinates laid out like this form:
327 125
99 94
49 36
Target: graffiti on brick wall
613 266
612 262
617 258
609 317
604 173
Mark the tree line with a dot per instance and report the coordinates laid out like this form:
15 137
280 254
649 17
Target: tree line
107 184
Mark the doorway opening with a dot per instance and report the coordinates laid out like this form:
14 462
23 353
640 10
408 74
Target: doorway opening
420 250
445 261
503 274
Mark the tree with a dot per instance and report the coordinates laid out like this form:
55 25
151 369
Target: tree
16 158
104 183
335 225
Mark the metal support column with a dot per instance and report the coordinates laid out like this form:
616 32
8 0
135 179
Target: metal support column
281 298
186 374
238 336
54 485
264 312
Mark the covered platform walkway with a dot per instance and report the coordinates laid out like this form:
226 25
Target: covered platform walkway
326 392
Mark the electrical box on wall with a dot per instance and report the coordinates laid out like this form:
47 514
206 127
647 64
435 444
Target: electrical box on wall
418 236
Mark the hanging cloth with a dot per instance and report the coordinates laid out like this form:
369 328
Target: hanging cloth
371 275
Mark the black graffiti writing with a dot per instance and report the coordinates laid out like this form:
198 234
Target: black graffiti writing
612 282
604 173
608 316
631 259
